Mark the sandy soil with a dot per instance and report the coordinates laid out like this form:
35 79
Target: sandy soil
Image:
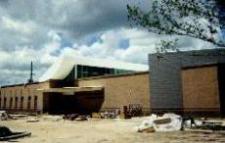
101 131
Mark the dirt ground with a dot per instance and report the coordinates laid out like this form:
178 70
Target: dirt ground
101 131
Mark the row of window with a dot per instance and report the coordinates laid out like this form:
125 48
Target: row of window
18 102
88 71
15 92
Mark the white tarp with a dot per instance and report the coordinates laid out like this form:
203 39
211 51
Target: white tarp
166 123
147 124
174 124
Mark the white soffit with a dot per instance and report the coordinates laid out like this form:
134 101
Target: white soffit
63 66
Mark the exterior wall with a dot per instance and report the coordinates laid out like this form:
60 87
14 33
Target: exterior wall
165 82
166 79
200 89
25 91
120 91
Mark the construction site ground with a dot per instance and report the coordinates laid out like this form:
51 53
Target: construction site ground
101 131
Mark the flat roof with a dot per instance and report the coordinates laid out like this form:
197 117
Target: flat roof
20 84
71 89
114 76
199 66
197 52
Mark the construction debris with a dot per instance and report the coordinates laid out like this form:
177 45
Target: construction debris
6 134
166 123
82 118
52 118
18 116
4 115
32 120
96 115
70 117
133 110
172 122
109 115
76 117
147 125
211 125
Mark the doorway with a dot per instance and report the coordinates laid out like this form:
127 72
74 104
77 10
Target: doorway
80 102
221 82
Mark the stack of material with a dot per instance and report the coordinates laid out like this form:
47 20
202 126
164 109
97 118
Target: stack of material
109 115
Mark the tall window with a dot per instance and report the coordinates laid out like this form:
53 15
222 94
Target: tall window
35 102
10 103
0 102
16 102
21 102
29 102
4 103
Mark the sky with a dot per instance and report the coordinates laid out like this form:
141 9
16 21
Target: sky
43 30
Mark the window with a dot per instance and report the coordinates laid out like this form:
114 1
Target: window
4 102
29 102
16 102
15 92
35 102
10 103
21 102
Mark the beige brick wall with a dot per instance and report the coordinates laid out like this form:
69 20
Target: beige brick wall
23 91
121 91
200 89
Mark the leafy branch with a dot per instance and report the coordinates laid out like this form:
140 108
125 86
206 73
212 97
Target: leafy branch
197 19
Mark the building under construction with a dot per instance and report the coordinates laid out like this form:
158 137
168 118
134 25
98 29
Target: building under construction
186 82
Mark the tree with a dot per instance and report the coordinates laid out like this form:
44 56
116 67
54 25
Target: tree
165 46
221 7
202 19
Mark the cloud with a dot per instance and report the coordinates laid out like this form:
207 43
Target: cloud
26 28
141 43
43 30
15 64
73 17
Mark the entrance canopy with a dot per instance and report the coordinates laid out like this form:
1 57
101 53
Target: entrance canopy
67 100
